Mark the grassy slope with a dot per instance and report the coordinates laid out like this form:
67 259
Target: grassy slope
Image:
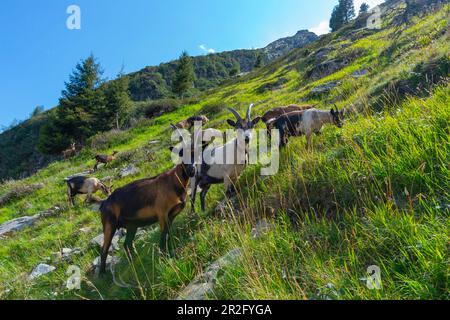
375 192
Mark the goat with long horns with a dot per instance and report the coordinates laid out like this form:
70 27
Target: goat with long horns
225 164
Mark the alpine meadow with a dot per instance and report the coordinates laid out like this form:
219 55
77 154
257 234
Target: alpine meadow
89 190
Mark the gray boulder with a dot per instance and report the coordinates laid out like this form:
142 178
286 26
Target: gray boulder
40 270
131 170
204 284
360 73
326 87
18 224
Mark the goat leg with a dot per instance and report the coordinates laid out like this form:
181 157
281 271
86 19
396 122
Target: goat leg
109 229
129 248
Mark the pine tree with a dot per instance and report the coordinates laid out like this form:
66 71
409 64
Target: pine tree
184 75
259 61
235 70
79 111
364 8
343 13
118 101
337 20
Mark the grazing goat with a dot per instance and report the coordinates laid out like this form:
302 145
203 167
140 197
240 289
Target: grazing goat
189 123
143 203
305 123
85 185
217 168
272 115
105 159
275 113
69 153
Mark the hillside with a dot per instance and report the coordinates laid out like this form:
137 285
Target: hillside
211 70
151 83
375 192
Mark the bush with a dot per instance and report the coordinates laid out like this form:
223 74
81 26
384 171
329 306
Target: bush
159 107
109 139
19 192
213 108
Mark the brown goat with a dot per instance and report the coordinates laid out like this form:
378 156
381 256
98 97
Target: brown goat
189 123
145 202
69 153
105 159
278 112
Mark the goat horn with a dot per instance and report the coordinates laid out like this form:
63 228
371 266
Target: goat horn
249 112
179 132
236 114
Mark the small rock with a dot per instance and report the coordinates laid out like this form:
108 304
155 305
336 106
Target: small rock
360 73
325 87
40 270
98 240
86 229
110 261
262 227
204 284
66 254
128 171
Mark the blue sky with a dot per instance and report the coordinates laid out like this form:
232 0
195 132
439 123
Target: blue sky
38 52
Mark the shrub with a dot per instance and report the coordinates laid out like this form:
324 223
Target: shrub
109 139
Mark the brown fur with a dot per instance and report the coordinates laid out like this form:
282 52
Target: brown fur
69 153
275 113
105 159
142 203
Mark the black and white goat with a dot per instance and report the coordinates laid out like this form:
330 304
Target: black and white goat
85 185
306 123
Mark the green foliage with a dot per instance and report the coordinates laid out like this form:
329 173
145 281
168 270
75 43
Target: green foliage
259 61
364 8
118 101
342 14
184 75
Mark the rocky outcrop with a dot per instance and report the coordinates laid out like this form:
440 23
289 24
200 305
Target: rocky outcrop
326 87
24 222
203 285
282 46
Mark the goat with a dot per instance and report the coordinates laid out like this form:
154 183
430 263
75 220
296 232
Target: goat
305 123
215 170
85 185
69 153
105 159
272 115
143 203
189 123
279 111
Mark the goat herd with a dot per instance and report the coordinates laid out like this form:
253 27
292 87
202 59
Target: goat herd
161 198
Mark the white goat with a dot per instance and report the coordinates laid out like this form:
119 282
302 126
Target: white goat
225 164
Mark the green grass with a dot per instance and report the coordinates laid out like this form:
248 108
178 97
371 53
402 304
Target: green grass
374 193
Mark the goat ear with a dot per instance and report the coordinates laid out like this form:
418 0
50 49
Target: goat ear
231 123
255 121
